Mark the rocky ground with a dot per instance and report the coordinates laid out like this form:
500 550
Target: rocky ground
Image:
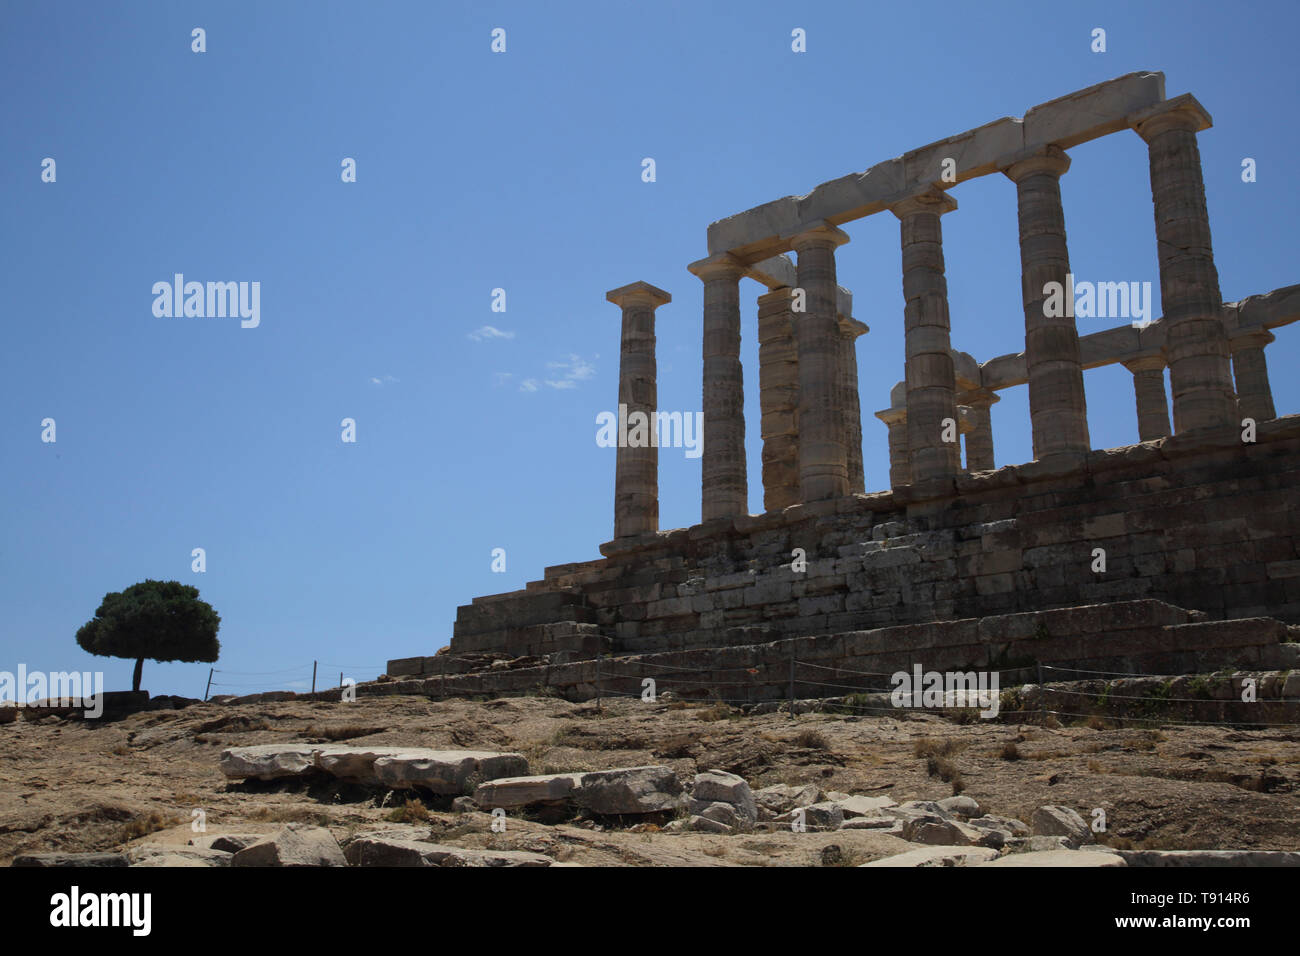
133 786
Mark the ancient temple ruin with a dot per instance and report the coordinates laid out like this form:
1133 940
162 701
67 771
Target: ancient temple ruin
959 562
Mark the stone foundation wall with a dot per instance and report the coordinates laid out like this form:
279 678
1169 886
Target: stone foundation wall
1207 526
1134 637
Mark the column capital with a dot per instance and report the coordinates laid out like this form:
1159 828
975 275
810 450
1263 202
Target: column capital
820 233
1255 338
1048 159
1182 112
722 266
933 200
638 294
1145 363
851 328
979 398
892 416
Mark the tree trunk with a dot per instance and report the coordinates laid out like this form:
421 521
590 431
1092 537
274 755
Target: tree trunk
139 668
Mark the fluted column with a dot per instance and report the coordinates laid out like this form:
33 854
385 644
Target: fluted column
930 380
1196 345
636 472
1058 405
979 440
778 389
724 487
1149 391
900 466
851 402
1250 370
823 451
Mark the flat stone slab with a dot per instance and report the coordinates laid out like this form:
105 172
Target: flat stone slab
391 851
1067 858
626 790
446 771
939 856
268 761
442 771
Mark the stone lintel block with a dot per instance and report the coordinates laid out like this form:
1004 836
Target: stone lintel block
1111 345
1005 371
1270 310
756 233
976 152
1093 112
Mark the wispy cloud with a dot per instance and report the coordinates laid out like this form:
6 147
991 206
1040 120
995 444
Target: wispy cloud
483 333
572 371
528 385
501 378
383 380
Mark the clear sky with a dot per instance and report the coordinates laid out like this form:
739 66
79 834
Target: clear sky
519 170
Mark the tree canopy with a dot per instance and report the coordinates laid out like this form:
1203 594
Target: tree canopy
158 620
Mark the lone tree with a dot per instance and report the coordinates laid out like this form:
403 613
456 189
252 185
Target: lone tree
160 620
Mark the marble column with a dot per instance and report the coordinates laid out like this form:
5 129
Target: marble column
979 440
778 389
1196 344
823 451
1058 405
636 472
1254 395
900 466
930 380
1149 392
724 486
851 401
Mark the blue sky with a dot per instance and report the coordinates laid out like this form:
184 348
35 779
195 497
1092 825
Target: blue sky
477 171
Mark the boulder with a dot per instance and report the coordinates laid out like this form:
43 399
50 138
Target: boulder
718 786
818 816
1061 821
296 845
707 825
1011 826
628 790
231 842
935 831
268 761
719 812
781 797
964 807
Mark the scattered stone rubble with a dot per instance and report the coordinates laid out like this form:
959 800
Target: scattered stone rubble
955 831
